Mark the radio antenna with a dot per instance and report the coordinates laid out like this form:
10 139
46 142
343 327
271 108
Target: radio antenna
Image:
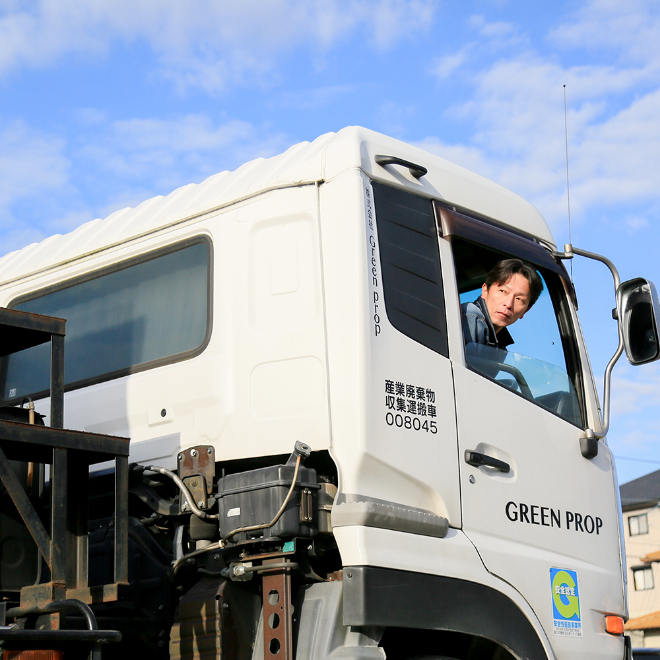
568 188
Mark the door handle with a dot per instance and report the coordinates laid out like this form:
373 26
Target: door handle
477 459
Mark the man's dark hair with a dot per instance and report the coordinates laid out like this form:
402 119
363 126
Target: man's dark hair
504 270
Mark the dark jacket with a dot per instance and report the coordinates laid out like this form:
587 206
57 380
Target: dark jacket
478 328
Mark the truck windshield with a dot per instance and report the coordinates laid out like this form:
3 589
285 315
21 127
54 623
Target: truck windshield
541 364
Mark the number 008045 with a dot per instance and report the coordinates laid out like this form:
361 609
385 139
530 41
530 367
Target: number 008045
408 422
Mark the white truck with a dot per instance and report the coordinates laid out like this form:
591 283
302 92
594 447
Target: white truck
440 501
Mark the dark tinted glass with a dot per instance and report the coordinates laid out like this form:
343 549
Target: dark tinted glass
410 262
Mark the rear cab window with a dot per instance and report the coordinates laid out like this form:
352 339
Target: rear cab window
135 315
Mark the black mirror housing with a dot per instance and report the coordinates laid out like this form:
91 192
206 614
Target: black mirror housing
638 310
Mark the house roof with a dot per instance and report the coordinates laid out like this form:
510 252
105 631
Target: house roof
645 622
641 492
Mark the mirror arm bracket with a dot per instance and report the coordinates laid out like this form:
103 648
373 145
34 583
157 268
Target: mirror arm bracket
569 253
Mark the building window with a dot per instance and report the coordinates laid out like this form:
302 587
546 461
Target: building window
638 525
643 578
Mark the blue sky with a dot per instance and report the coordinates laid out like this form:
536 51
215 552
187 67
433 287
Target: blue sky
105 103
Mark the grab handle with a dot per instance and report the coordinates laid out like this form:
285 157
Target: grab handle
416 170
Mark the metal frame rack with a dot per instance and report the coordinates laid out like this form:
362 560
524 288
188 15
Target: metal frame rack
64 546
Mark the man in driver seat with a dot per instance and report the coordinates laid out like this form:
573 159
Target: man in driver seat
510 290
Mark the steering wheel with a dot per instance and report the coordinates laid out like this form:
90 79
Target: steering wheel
490 368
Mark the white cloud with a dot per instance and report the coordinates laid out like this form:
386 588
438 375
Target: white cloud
636 222
516 109
32 164
118 164
393 118
313 99
631 29
163 154
200 43
635 404
635 390
443 67
476 21
90 116
518 139
396 19
187 134
472 158
497 29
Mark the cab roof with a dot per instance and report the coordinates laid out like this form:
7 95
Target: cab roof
304 163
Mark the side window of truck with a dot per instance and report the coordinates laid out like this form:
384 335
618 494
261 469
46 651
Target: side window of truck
542 365
137 314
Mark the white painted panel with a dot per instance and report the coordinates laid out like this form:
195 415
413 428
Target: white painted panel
287 388
284 278
453 556
415 462
284 274
524 523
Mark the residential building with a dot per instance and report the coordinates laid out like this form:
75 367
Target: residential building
640 501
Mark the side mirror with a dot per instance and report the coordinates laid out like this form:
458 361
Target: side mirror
638 309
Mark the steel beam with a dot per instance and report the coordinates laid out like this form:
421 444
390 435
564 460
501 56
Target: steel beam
25 507
278 637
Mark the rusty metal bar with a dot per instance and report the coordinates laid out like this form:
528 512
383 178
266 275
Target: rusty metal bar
99 447
121 519
49 636
59 516
50 325
278 637
21 330
70 454
106 593
78 521
57 381
25 507
59 606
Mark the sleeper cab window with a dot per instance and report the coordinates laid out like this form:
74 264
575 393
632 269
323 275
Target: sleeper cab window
538 358
135 315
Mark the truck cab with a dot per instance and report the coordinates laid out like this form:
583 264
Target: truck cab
456 500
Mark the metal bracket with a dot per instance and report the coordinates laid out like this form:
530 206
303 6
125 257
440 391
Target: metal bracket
196 484
196 468
306 505
278 636
198 460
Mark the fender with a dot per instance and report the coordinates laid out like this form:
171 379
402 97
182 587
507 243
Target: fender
386 597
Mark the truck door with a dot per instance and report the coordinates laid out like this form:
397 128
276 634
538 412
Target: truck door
541 515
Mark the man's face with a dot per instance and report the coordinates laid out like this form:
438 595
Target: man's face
507 302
